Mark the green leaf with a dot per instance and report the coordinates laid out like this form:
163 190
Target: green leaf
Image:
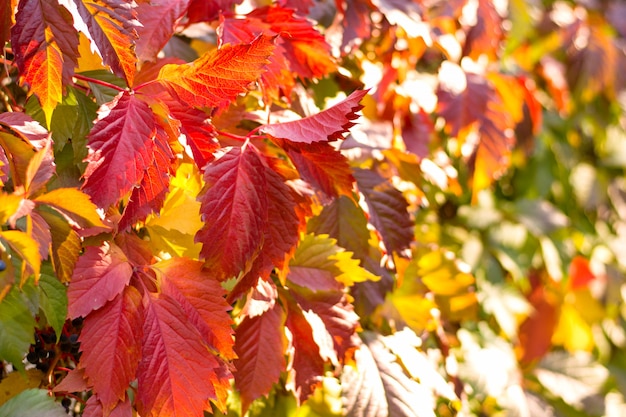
53 301
32 402
16 328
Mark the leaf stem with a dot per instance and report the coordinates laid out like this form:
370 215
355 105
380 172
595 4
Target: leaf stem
232 136
99 82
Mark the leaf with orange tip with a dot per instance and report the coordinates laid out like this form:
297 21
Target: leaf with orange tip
46 46
327 125
99 276
216 78
112 27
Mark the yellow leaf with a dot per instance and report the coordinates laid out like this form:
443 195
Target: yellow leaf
440 273
87 59
9 203
27 249
416 311
572 332
17 382
74 204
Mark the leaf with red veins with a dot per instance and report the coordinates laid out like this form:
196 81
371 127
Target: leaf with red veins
234 210
93 408
148 197
327 125
110 343
417 133
45 45
387 209
101 274
74 381
178 374
209 11
112 26
485 36
121 148
260 345
158 21
262 299
307 364
24 127
202 298
218 77
356 23
322 166
40 231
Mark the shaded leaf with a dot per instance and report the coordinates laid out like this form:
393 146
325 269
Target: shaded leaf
16 327
177 374
53 301
260 345
216 78
46 46
111 24
110 342
208 11
387 209
32 402
327 125
101 274
121 139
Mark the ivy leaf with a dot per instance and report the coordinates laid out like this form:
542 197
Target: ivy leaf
121 139
111 25
177 374
46 46
110 343
387 209
16 326
158 21
322 166
32 402
216 78
74 205
202 299
260 345
101 274
149 196
231 201
320 265
327 125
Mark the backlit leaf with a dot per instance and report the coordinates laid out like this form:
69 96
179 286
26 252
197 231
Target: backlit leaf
327 125
216 78
158 21
387 209
27 249
65 245
362 388
112 26
9 204
101 274
73 204
202 299
485 35
45 45
121 139
208 11
177 374
110 342
260 347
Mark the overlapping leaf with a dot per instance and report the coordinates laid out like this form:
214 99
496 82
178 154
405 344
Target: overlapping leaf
112 27
158 21
46 46
324 126
122 139
216 78
111 346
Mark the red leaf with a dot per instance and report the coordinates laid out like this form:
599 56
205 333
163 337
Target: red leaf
233 206
41 233
208 11
148 197
216 78
484 37
326 125
121 148
158 20
356 23
111 347
45 45
6 13
178 374
260 346
387 210
580 274
417 133
202 298
74 381
261 300
307 364
111 24
322 166
99 276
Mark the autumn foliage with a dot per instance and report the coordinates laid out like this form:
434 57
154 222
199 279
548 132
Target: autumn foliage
357 208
